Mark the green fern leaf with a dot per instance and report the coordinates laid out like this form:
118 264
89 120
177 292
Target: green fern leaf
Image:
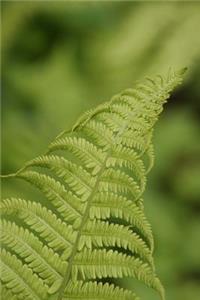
89 226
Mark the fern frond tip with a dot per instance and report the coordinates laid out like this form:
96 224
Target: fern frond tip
91 225
182 71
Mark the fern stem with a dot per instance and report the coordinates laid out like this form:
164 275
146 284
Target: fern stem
74 251
8 175
13 175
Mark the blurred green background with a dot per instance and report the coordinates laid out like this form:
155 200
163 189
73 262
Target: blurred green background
61 58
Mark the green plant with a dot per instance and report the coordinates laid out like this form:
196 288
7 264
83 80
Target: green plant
90 225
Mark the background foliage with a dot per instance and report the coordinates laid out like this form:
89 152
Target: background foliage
58 59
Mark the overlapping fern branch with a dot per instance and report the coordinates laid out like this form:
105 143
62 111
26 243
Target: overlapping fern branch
89 224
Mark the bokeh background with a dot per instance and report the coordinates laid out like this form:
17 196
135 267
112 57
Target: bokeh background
61 58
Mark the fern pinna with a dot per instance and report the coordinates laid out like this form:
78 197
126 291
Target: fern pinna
88 227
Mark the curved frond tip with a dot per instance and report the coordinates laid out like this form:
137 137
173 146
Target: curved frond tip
88 226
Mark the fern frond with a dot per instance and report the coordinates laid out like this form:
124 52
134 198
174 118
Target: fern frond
57 234
18 278
90 156
126 157
118 182
68 204
91 290
89 223
6 293
107 205
103 234
98 133
42 260
102 264
74 175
